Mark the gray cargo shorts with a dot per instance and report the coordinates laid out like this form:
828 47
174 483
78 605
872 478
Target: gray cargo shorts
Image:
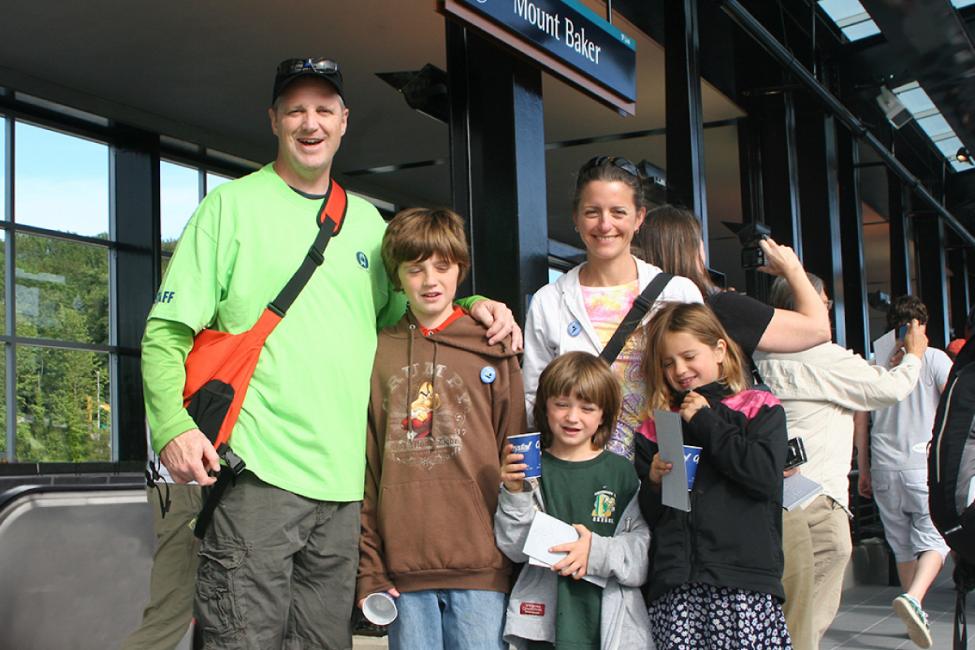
277 570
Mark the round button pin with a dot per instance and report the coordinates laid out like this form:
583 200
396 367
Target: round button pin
362 259
574 328
488 375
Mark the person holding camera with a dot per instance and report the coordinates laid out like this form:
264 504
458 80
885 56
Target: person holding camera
822 389
671 239
583 309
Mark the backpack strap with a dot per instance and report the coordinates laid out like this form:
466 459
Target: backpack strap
330 218
643 303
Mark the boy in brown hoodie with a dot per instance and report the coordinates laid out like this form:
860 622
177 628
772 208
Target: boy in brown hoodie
442 403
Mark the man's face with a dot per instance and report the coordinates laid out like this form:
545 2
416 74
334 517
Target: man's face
309 120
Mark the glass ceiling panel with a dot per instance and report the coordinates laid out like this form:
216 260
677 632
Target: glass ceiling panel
861 30
852 19
935 125
841 9
916 100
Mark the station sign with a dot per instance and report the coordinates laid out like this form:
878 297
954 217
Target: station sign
566 38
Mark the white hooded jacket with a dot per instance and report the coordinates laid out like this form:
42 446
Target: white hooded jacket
558 322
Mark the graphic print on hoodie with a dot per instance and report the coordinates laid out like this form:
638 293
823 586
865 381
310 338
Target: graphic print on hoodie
440 409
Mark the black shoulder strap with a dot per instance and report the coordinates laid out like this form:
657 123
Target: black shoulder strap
642 304
330 218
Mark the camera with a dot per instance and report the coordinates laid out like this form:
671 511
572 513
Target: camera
752 255
796 454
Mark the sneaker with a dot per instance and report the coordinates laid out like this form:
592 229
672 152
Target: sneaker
909 611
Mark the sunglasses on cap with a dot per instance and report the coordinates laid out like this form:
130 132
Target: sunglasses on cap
616 161
293 66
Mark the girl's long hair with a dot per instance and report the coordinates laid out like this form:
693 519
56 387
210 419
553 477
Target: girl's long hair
671 239
700 322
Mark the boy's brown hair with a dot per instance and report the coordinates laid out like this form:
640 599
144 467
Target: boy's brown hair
585 377
700 322
904 309
416 234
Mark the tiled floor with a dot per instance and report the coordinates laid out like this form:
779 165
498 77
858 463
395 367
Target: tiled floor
866 620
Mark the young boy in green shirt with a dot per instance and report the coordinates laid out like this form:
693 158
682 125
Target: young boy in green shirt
577 402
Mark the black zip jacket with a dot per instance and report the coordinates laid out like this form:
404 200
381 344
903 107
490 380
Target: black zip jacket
732 537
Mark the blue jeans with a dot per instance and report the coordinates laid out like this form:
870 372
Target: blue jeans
448 619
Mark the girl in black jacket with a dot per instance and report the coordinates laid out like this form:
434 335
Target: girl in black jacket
715 577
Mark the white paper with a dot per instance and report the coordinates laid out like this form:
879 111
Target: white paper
883 348
546 531
670 440
797 489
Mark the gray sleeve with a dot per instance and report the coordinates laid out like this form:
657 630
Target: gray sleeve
512 520
625 555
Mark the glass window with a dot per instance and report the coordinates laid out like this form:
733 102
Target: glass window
841 9
916 100
179 194
63 411
214 180
857 31
3 168
62 290
61 181
935 125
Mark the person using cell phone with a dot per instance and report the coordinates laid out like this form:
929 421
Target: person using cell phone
822 389
895 471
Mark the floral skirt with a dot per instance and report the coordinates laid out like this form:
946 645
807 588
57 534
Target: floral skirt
697 616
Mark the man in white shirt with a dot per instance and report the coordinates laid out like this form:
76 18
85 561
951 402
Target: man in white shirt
895 473
821 389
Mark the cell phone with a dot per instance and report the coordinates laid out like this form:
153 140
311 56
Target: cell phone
796 454
901 332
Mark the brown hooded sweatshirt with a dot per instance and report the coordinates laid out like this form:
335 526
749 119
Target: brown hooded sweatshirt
440 408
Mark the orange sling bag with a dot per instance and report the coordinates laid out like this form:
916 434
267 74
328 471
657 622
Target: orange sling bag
220 365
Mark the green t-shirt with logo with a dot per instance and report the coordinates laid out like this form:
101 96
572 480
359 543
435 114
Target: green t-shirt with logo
593 493
303 422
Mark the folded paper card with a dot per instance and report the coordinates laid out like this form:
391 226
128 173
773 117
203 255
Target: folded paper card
546 531
797 489
670 439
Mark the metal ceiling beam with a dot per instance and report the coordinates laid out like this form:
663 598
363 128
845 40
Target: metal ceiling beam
931 41
763 37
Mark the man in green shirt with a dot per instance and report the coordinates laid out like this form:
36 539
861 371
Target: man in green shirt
278 562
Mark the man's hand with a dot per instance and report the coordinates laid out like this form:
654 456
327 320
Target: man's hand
693 402
790 472
513 470
780 260
189 456
865 484
500 322
576 563
392 591
915 340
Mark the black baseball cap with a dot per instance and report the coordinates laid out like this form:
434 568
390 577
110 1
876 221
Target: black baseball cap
291 69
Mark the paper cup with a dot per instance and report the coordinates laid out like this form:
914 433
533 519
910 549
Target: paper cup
379 608
692 456
530 446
